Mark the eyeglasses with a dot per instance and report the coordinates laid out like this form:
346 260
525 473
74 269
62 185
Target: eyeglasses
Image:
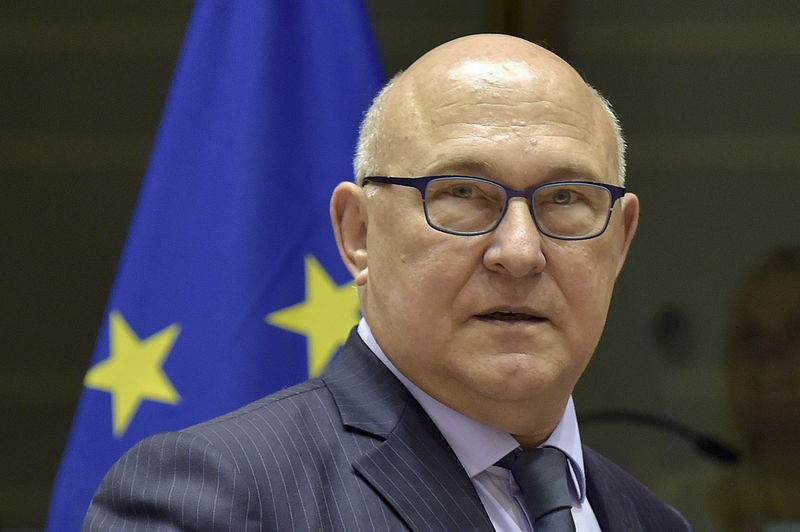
461 205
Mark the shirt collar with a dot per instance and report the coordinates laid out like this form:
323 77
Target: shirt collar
479 446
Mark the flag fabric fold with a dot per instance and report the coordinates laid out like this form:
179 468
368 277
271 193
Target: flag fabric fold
230 258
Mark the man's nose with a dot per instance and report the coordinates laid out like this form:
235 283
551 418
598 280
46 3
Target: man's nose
515 247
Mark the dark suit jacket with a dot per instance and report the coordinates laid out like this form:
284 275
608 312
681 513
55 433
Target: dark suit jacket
350 451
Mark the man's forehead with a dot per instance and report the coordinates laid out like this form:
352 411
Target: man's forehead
499 99
484 79
472 165
461 86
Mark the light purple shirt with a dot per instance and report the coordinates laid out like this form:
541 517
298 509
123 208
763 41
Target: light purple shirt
479 446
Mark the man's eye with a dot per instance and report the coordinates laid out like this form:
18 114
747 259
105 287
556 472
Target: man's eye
462 191
562 197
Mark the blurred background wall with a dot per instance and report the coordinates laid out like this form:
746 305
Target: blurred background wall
707 95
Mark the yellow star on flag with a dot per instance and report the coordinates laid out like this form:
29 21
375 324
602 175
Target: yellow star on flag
325 317
133 371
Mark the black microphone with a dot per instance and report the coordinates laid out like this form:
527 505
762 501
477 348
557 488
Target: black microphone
706 444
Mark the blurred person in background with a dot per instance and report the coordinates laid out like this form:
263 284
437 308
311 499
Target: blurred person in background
761 367
763 378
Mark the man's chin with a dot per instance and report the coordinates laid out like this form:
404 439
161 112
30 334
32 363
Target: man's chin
514 377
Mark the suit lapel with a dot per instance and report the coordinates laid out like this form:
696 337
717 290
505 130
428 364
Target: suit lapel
422 478
614 509
412 466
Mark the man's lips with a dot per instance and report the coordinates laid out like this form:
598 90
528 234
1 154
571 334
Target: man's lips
511 315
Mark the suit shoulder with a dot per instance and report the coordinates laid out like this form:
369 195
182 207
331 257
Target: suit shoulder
298 394
273 428
308 400
239 455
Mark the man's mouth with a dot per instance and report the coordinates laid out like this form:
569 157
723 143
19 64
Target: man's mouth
510 316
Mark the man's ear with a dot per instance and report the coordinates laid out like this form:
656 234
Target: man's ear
630 221
349 219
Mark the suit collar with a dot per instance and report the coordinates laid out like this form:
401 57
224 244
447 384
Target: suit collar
413 468
370 399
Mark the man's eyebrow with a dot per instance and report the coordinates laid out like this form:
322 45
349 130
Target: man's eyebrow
466 165
575 172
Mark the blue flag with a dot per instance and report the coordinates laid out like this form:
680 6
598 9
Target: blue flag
230 285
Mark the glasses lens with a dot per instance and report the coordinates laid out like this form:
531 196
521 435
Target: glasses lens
463 205
572 210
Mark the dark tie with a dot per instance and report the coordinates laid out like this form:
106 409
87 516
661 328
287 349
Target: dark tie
541 474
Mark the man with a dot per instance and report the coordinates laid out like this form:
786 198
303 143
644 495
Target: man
483 298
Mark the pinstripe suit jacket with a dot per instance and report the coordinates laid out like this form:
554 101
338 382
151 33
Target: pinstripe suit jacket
350 451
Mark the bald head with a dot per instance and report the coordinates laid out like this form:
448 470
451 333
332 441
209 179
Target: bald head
476 79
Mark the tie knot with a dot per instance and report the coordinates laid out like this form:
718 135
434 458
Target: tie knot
542 477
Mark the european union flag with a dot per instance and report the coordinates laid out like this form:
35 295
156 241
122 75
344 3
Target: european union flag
230 286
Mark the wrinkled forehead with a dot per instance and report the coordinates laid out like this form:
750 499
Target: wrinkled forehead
509 91
502 97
